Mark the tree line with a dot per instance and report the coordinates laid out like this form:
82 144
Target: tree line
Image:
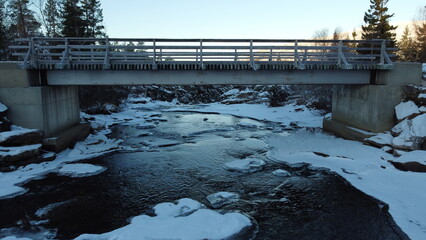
411 46
51 18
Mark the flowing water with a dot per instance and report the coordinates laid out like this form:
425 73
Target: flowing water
183 157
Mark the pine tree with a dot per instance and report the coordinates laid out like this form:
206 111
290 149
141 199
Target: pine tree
377 23
421 36
3 28
93 18
22 20
72 19
51 13
407 47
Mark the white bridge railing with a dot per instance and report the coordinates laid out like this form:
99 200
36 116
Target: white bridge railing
201 54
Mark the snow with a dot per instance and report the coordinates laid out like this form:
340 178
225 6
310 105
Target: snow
413 156
281 173
247 165
220 199
3 108
160 142
422 109
42 212
80 170
367 168
188 219
6 152
95 145
422 95
406 109
381 139
14 238
285 114
8 134
411 131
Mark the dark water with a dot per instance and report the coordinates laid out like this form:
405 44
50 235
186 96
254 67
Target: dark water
310 204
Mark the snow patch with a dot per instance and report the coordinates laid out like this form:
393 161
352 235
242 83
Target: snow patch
247 165
406 109
80 170
3 108
188 219
220 199
281 173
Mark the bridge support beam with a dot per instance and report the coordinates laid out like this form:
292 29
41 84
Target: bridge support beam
52 109
360 110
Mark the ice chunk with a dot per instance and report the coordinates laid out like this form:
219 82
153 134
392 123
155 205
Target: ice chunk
80 170
406 109
281 173
200 224
247 165
220 199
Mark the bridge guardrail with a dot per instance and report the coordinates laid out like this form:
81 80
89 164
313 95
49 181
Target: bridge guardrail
201 54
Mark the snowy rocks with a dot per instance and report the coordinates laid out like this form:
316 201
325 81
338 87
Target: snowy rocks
20 137
281 173
107 108
380 140
247 165
14 154
410 134
80 170
3 110
406 110
220 199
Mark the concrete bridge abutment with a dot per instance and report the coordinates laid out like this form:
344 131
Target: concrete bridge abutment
359 111
52 109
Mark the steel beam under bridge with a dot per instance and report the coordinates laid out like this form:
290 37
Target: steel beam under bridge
182 77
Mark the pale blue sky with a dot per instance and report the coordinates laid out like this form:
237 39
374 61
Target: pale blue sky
240 18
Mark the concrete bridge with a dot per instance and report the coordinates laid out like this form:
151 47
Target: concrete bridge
41 89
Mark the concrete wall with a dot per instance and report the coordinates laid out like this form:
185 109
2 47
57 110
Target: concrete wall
208 77
368 107
52 109
11 76
402 74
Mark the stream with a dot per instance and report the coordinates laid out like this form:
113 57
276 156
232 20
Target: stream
184 157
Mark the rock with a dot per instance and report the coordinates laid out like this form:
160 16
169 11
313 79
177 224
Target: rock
3 110
422 109
20 137
220 199
380 140
409 166
16 154
397 129
421 99
106 109
281 173
5 125
406 110
413 134
247 165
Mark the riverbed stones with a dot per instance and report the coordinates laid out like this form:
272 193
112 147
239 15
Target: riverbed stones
220 199
20 137
15 154
247 165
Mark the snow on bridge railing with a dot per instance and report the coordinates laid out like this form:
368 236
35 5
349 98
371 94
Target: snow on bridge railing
201 54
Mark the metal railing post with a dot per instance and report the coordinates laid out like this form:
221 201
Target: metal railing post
296 54
382 52
201 55
339 53
33 53
107 64
154 57
251 55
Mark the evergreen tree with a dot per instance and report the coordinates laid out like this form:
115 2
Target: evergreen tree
72 19
22 20
93 18
421 36
377 23
407 47
3 28
52 16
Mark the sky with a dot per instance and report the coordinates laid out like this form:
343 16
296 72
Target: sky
274 19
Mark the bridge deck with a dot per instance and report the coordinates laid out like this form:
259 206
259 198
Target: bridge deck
201 54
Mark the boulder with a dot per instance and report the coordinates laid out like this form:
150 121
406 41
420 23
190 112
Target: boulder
16 154
5 124
20 137
3 110
406 110
380 140
412 135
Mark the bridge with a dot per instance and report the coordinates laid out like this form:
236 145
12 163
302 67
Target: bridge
43 83
114 61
